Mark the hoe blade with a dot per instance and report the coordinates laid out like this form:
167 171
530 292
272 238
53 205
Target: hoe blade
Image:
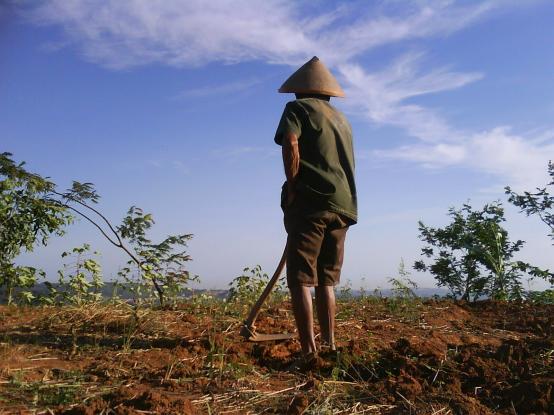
261 337
250 334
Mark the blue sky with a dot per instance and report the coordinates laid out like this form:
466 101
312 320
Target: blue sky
172 106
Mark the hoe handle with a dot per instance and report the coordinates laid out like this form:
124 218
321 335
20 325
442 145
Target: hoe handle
249 322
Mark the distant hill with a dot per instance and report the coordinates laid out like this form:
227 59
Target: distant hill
109 287
420 292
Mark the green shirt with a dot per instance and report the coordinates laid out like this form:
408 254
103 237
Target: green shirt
326 177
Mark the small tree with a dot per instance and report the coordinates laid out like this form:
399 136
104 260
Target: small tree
27 217
473 255
454 265
79 282
31 208
247 287
539 203
495 253
159 265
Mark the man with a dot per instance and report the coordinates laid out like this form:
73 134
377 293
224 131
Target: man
318 197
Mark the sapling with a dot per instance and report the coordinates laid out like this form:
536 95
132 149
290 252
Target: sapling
80 281
473 255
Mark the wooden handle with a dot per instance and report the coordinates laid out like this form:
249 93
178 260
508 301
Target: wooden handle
249 322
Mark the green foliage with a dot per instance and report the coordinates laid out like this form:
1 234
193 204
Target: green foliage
345 291
27 216
160 266
404 301
473 255
42 394
248 287
79 282
31 209
22 279
45 393
403 286
540 297
539 203
363 288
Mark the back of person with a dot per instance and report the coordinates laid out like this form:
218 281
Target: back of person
326 177
318 198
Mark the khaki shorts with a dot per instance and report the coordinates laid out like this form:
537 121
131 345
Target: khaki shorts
315 248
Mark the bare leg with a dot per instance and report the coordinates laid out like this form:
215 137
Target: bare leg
303 314
325 304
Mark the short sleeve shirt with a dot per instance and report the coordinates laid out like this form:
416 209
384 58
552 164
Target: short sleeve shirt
326 177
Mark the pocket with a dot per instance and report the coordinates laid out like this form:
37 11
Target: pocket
284 196
315 196
315 184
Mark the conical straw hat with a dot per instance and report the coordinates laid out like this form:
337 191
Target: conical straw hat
313 78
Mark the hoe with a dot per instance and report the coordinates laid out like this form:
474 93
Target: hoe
248 330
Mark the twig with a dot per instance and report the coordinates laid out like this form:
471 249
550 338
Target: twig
440 411
403 397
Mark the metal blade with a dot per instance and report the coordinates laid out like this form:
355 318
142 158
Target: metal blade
250 334
261 337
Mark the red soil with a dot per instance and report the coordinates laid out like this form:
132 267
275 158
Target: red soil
439 356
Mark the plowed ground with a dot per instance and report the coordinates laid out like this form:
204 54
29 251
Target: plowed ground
431 357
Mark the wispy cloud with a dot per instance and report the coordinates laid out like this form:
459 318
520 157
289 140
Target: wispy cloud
381 95
235 153
123 34
219 89
520 161
516 159
409 19
176 165
136 32
180 167
187 33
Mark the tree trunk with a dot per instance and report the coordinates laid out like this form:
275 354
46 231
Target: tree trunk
10 291
160 292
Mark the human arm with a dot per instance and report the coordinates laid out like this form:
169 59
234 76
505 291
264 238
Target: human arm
287 135
291 162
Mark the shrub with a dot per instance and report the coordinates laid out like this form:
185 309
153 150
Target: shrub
473 255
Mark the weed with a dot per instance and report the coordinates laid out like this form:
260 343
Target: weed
43 394
79 282
345 291
136 319
363 290
247 287
404 301
540 297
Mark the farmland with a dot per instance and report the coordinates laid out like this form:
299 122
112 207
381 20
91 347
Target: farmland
394 357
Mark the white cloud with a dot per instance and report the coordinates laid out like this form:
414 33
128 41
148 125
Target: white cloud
521 162
412 20
431 156
121 34
507 155
518 160
381 95
220 89
176 165
235 153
